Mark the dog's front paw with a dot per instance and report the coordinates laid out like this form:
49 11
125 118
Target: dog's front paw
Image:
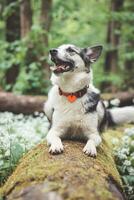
56 147
90 149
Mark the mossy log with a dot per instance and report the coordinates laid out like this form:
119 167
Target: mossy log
70 176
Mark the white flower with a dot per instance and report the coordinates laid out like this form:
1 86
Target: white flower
127 163
26 131
121 156
124 151
126 139
1 162
131 170
129 131
115 141
132 143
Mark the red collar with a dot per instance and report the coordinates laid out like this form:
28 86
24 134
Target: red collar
73 96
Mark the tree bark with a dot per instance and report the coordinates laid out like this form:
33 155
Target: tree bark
129 67
12 34
21 103
13 22
69 176
113 38
25 17
46 18
45 21
129 63
11 75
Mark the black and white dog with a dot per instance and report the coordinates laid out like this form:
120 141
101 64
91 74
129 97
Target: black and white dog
74 107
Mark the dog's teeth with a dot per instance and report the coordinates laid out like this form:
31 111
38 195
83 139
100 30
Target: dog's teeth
52 68
59 67
62 66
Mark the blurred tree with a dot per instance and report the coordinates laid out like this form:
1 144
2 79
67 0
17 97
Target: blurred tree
12 16
25 17
45 21
113 37
46 17
129 39
85 26
111 64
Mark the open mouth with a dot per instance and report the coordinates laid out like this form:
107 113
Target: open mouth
61 66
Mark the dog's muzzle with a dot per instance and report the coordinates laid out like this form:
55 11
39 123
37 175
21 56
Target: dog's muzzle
61 66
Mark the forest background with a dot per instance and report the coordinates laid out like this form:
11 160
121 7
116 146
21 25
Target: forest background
29 28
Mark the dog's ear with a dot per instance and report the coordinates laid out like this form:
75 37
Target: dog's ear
91 54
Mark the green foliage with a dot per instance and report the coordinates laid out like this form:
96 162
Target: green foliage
79 27
10 9
29 57
18 134
83 23
32 75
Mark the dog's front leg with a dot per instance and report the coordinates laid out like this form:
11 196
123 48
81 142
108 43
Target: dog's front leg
93 141
53 139
48 110
49 105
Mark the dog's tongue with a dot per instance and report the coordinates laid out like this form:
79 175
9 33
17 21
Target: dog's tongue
59 68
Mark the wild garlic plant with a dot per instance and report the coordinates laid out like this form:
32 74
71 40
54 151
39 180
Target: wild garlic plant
18 134
124 155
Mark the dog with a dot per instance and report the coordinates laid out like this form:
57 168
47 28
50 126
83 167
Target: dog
74 107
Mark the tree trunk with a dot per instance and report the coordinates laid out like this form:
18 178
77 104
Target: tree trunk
113 40
129 63
13 22
45 20
12 34
25 17
11 75
69 176
129 67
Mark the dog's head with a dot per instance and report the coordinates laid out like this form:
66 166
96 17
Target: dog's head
68 58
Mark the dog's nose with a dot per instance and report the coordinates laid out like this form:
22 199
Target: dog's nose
53 52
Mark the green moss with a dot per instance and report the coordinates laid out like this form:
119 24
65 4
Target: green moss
73 174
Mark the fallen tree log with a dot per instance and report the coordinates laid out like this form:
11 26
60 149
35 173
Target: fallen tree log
119 99
69 176
21 103
27 104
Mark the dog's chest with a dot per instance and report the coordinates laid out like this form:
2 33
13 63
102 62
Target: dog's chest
67 113
69 110
72 116
78 109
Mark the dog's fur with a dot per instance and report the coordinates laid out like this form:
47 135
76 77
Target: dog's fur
85 117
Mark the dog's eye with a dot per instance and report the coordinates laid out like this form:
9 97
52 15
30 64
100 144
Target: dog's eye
71 51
